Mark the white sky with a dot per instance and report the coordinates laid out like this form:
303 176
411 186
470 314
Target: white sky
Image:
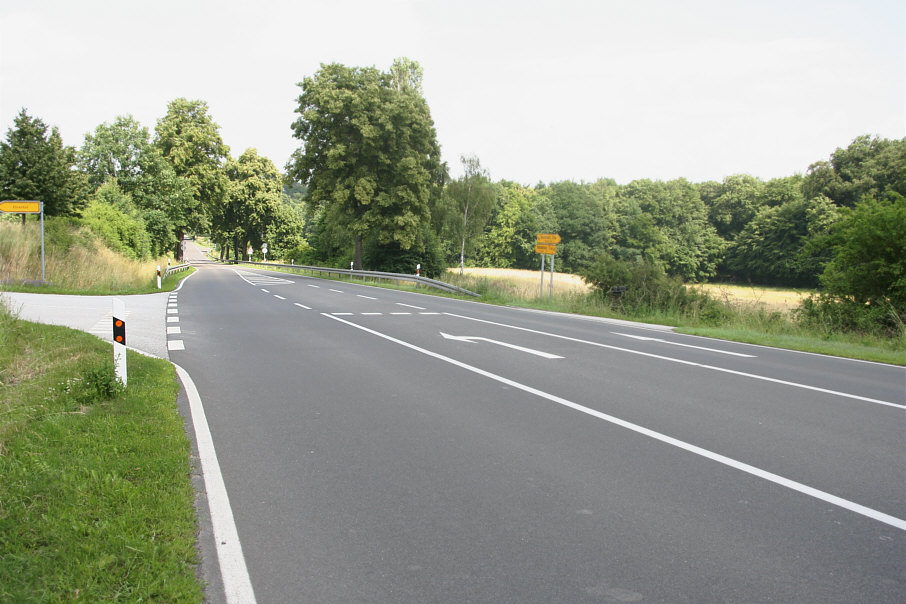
539 91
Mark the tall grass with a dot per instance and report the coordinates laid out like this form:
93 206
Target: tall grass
74 259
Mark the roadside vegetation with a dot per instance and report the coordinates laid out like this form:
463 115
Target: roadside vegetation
97 502
77 261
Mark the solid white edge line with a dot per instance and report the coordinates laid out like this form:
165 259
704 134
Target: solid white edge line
236 582
689 363
722 459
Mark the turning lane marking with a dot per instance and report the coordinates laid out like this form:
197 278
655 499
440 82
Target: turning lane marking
689 363
722 459
473 339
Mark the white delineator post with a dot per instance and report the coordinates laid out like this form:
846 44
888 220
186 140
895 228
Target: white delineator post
158 276
119 339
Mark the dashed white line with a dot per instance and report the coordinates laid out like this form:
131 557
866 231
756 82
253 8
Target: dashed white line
410 306
302 306
429 313
335 290
314 286
175 345
172 311
366 297
279 297
265 291
342 314
401 313
172 319
372 314
171 330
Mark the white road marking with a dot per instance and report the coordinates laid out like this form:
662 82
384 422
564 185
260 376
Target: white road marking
366 297
171 330
279 297
256 279
689 363
722 459
429 313
401 313
335 290
342 314
410 306
372 314
175 345
172 311
314 286
172 319
662 341
473 339
265 291
302 306
235 575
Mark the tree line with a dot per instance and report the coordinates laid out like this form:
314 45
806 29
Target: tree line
368 185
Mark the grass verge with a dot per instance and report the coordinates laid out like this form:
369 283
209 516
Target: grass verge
97 502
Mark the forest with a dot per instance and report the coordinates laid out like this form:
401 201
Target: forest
368 185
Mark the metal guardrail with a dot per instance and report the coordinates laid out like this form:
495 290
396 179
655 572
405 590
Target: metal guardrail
177 268
398 277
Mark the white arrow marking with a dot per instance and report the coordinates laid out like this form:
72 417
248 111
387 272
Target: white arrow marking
473 339
735 354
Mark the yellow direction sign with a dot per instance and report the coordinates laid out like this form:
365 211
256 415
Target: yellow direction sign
543 248
21 207
548 238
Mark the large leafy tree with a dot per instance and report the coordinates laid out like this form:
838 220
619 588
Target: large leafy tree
370 156
868 167
122 153
34 165
189 139
253 204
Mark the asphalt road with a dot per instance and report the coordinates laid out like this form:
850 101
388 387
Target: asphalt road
373 455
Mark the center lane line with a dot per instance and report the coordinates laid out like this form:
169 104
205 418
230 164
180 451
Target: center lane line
717 457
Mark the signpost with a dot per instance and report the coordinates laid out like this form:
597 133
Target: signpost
119 339
264 251
547 244
14 206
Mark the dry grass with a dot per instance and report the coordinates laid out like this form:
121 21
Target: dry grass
770 299
528 283
87 265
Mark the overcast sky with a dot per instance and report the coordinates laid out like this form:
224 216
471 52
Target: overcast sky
539 91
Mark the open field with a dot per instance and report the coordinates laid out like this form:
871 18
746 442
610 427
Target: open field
528 283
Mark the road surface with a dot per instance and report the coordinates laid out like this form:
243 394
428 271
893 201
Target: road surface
384 446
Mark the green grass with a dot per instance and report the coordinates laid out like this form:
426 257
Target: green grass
97 502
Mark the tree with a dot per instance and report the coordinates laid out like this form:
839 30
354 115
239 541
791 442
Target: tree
736 202
868 167
36 166
370 156
189 139
868 246
252 205
771 249
471 199
122 151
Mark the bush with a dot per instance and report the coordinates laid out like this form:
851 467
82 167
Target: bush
829 314
648 289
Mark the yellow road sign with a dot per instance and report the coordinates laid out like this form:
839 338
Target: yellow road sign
543 248
548 238
21 207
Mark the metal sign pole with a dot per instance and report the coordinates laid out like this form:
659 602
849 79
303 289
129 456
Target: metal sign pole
552 277
542 276
42 243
